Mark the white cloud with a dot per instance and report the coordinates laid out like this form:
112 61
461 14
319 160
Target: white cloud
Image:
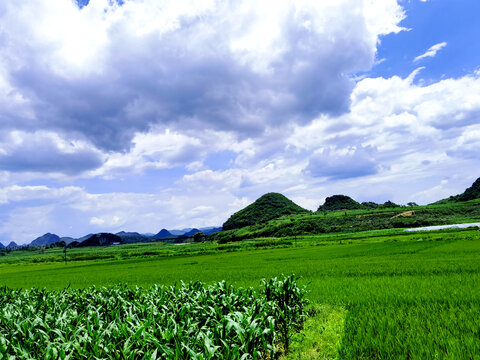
107 72
46 152
431 52
418 133
164 148
111 90
16 193
352 162
74 212
97 221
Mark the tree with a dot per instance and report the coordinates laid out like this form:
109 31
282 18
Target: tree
411 204
199 237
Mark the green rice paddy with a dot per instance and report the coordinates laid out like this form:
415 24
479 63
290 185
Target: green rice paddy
373 295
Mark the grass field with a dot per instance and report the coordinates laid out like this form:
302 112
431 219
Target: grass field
377 295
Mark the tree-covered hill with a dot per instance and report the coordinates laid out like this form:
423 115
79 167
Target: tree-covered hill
267 207
340 202
472 193
350 221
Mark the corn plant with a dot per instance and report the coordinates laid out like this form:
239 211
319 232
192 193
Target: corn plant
189 321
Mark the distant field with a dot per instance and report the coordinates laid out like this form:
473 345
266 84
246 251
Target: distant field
378 294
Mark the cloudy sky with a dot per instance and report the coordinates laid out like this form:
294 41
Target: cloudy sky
137 115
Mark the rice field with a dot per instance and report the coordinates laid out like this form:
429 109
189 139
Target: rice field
373 296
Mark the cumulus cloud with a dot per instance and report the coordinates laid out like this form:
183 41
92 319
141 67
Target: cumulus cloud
162 149
46 152
16 193
398 130
107 71
110 89
352 162
431 52
28 212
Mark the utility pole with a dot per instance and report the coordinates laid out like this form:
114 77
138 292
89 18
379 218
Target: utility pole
65 254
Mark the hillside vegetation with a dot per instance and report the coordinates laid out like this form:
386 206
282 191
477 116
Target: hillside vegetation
471 193
267 207
351 221
340 202
341 213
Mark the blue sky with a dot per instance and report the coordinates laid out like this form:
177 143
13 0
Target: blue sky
142 115
433 22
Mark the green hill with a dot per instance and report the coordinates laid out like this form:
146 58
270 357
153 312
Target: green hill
472 193
385 216
340 202
267 207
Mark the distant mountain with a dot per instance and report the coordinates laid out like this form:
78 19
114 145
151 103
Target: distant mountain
177 232
12 245
73 244
102 239
67 239
162 234
191 232
266 207
45 240
85 237
340 202
132 237
210 230
2 246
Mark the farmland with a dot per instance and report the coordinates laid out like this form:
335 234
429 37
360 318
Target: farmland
378 294
189 321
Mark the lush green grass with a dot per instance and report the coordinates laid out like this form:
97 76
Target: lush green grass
388 294
317 223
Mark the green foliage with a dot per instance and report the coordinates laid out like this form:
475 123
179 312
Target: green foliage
190 321
385 294
383 217
340 202
370 205
288 306
473 192
267 207
321 336
409 331
199 237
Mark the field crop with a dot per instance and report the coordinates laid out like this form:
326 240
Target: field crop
190 321
373 295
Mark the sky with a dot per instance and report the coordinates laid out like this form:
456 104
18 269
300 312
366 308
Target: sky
139 115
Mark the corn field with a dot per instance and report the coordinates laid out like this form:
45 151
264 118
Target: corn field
190 321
